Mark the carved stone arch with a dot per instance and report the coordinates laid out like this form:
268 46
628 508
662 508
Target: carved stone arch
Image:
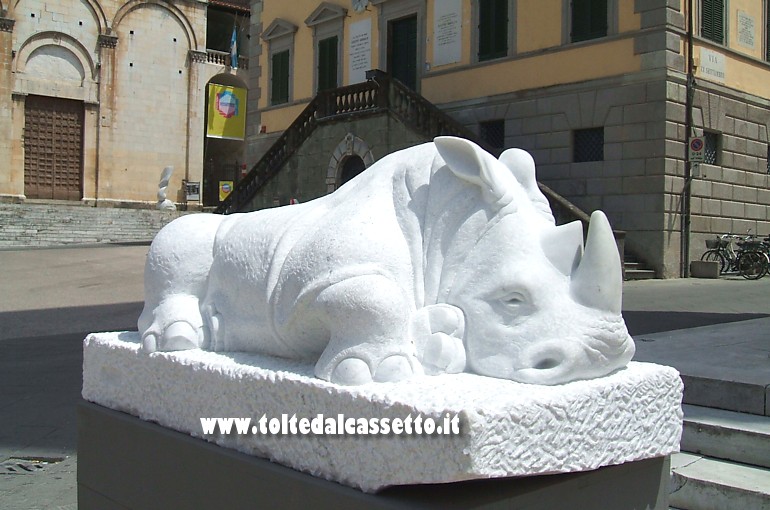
351 145
132 5
50 38
99 16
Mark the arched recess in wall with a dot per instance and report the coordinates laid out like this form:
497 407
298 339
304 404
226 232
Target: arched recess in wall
62 52
344 163
192 40
56 73
224 149
7 9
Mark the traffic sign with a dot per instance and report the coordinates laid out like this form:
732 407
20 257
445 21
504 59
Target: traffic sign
697 150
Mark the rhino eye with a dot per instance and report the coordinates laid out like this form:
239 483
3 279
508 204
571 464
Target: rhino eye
514 299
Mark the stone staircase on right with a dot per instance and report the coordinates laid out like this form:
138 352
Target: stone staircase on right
633 269
724 463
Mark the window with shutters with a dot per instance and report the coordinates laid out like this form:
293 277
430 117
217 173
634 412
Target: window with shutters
279 83
589 20
767 30
493 29
327 63
280 37
327 23
712 20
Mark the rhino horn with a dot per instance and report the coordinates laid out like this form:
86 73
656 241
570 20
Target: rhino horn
563 246
598 280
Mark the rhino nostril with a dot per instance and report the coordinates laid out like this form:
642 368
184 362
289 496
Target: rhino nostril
547 363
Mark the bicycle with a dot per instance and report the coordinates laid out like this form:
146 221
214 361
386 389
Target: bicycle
754 258
721 250
751 260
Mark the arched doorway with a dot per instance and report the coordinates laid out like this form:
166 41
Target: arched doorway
351 166
351 157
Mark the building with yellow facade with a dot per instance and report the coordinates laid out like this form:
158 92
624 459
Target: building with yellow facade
596 90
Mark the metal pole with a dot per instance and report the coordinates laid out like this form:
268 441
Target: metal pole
687 188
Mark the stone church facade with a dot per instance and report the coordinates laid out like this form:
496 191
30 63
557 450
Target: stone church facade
98 96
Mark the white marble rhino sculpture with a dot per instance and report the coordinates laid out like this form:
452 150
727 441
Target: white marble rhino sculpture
439 258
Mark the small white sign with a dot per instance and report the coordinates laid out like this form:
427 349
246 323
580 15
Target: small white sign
697 147
360 50
447 32
712 65
746 30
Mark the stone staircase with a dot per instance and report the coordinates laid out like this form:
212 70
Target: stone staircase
633 269
724 463
54 223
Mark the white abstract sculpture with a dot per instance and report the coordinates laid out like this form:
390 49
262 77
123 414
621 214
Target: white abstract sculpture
437 259
163 202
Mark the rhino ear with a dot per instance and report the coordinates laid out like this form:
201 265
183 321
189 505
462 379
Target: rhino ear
522 166
473 164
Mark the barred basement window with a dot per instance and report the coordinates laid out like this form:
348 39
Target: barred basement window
493 29
588 145
493 132
711 148
589 19
712 20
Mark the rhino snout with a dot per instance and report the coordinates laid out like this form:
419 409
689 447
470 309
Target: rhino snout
546 363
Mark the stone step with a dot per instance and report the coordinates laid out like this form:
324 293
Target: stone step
704 483
47 223
728 435
639 274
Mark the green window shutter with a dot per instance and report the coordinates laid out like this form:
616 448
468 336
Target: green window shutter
493 29
280 84
327 63
712 20
589 19
767 36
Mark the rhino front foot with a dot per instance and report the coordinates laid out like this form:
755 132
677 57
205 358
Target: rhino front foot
354 371
177 325
437 332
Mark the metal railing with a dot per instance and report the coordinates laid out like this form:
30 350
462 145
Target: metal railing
380 93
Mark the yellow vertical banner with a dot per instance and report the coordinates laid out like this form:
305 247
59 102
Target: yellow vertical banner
226 116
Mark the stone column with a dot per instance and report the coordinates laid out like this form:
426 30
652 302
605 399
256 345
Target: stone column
196 118
103 165
10 186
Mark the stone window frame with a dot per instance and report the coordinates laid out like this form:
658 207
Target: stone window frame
713 144
393 10
577 150
512 6
327 21
613 22
279 36
766 27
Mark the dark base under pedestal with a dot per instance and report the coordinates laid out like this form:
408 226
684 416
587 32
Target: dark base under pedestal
127 463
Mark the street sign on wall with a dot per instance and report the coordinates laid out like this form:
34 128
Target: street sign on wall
697 148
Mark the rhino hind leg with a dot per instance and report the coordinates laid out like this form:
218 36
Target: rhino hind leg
175 281
366 316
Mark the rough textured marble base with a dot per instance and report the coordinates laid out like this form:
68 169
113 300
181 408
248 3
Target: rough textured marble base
507 428
126 463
